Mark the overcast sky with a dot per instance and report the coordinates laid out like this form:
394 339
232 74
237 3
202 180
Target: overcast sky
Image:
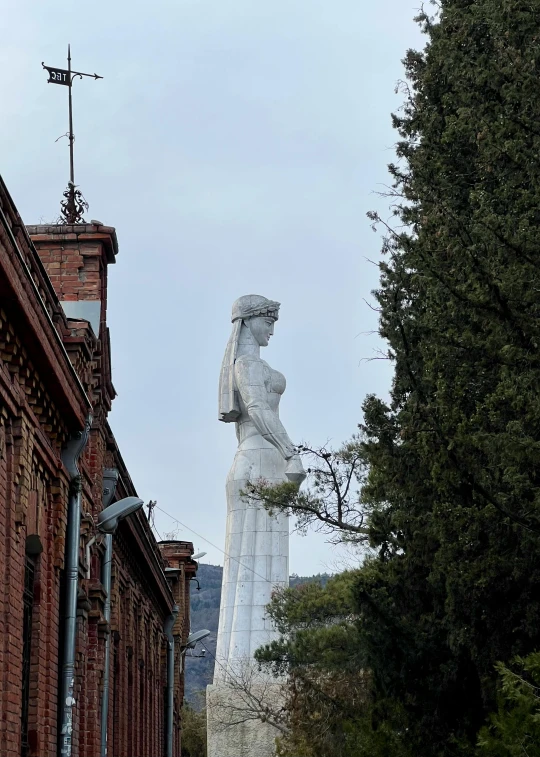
236 146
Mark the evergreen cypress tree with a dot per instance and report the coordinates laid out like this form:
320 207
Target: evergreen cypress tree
454 458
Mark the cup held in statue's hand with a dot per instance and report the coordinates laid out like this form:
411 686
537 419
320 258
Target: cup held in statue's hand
294 470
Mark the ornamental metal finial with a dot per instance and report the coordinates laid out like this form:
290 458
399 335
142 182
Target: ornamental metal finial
73 206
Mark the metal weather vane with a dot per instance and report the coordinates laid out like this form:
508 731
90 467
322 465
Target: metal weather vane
73 206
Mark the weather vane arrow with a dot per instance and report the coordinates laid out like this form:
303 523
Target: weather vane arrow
73 206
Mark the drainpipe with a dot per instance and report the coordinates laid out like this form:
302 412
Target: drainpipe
106 581
108 521
70 457
168 628
110 479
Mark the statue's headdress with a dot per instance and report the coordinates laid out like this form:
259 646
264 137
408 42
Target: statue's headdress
248 306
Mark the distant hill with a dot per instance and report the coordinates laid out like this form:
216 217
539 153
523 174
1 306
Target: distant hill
205 614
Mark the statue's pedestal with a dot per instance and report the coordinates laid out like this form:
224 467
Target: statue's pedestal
233 727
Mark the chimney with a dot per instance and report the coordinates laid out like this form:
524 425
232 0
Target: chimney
76 259
177 553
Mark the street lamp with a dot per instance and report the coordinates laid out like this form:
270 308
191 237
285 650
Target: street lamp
109 518
194 638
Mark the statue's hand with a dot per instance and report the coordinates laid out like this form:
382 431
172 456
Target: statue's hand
294 470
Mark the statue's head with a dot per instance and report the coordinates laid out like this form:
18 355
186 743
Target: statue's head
253 317
258 314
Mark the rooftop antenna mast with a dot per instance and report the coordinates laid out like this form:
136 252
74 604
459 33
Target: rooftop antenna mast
73 205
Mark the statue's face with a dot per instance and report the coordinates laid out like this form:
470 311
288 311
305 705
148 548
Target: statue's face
262 329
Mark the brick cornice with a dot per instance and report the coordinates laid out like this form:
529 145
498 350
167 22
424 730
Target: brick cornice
89 232
36 307
134 532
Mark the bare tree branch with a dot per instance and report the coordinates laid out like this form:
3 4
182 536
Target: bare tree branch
249 695
328 501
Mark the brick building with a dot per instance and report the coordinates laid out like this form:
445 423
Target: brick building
180 569
55 381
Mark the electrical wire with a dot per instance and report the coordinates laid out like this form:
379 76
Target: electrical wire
158 534
224 669
153 527
212 545
216 659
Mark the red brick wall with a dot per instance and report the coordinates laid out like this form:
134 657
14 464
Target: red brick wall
75 276
75 259
41 406
33 492
177 555
138 673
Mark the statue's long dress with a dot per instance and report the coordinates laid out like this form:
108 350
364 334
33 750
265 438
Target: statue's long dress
257 544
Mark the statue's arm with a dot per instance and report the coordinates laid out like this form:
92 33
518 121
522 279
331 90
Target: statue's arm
249 374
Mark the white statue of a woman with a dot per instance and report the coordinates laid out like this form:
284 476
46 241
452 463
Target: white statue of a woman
257 543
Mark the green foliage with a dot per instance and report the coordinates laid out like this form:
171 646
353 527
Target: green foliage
514 730
318 578
454 484
330 707
205 614
318 650
193 732
329 499
316 624
449 468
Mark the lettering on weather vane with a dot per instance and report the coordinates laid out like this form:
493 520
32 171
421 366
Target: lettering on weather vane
73 206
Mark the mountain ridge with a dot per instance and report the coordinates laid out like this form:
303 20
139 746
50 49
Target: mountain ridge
204 608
